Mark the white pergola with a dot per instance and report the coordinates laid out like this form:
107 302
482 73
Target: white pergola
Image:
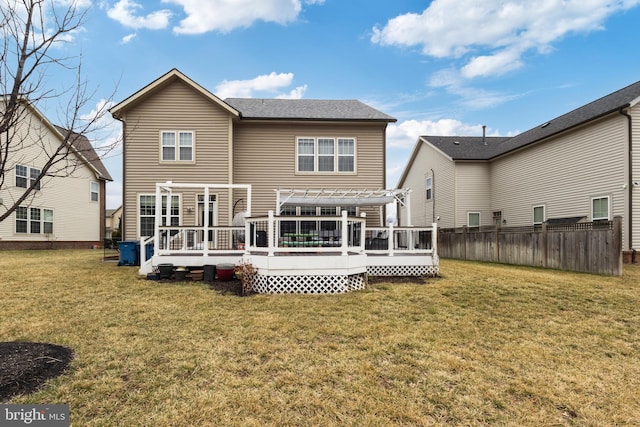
343 197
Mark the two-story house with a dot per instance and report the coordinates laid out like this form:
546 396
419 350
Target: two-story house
581 166
298 176
176 130
66 209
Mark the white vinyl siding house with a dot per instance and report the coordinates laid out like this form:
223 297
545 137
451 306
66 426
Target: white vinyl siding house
65 210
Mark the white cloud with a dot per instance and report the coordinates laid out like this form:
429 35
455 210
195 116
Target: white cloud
227 15
271 83
125 12
126 39
296 93
405 134
495 33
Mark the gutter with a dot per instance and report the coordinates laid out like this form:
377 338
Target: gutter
630 176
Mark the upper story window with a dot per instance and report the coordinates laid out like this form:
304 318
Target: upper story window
326 154
429 186
26 176
95 191
600 208
177 146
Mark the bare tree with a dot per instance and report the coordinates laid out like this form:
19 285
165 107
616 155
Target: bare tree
33 35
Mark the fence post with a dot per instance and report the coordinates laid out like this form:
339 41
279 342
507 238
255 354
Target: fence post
496 254
465 236
545 245
616 247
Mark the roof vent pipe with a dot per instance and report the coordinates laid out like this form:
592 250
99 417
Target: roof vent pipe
484 134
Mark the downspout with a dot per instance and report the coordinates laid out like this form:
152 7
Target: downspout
630 183
433 196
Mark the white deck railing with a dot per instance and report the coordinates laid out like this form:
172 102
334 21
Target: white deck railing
295 234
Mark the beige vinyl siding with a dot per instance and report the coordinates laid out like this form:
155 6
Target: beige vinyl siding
564 173
428 158
265 157
175 107
75 216
635 174
473 192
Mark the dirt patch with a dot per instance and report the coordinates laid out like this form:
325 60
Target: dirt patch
25 366
416 280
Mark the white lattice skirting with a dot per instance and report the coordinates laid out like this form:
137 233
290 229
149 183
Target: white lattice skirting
309 284
403 270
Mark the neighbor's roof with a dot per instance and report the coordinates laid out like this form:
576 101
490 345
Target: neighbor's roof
85 149
306 109
471 148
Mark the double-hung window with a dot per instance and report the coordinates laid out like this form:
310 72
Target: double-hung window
429 187
177 146
346 155
147 213
326 154
600 208
26 176
94 190
34 220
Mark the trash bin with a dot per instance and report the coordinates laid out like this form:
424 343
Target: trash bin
209 273
148 250
128 252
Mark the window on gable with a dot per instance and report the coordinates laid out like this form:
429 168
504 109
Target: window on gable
538 215
21 176
177 146
429 186
26 176
95 191
600 208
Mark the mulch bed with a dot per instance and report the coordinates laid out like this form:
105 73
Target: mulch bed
25 366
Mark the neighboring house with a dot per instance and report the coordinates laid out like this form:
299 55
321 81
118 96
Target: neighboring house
112 222
176 130
67 209
581 166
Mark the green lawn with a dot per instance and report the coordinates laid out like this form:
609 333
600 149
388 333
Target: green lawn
483 344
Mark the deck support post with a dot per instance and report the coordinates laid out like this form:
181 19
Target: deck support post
270 234
344 246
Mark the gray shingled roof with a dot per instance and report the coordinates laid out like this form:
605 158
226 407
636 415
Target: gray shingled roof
306 109
84 147
471 148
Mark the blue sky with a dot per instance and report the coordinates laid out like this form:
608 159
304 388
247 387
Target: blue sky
444 67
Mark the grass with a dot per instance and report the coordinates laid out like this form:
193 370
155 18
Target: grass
485 344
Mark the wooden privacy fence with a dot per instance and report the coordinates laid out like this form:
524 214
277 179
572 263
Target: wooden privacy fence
590 247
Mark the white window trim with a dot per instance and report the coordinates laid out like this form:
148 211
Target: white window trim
91 184
608 217
469 217
176 147
336 155
533 214
27 177
428 183
138 216
29 220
